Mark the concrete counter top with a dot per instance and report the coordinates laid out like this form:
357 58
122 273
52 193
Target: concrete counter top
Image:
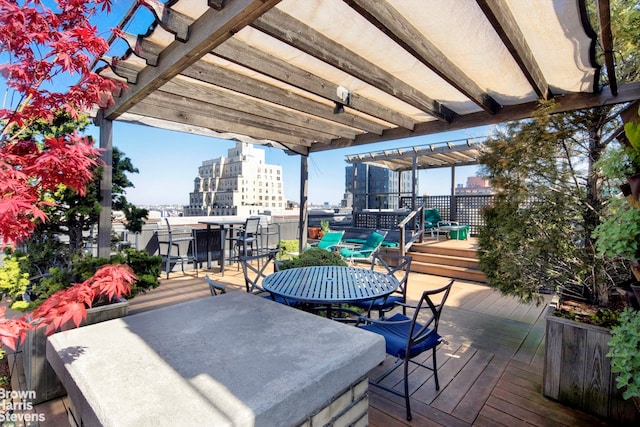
234 359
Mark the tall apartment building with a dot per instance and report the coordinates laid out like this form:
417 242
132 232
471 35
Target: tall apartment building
375 187
239 184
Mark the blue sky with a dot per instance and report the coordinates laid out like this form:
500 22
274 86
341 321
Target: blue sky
168 163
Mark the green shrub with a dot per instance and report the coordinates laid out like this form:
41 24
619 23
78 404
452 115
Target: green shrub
13 280
619 234
624 351
314 256
285 247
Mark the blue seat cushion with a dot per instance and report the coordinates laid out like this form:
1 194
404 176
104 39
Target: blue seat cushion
397 336
379 303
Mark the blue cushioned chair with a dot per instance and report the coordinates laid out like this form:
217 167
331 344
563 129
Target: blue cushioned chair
399 268
367 249
406 338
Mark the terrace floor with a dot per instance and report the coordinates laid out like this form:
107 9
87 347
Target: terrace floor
490 371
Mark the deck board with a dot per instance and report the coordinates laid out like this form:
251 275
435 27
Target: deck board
490 371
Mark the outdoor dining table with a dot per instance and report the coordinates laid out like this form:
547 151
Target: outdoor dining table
329 285
223 225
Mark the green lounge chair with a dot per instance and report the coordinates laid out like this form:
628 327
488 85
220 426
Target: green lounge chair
330 240
431 219
368 248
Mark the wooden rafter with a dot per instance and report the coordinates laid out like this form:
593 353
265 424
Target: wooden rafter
604 14
153 107
400 30
626 93
240 53
218 76
498 14
211 29
174 22
285 28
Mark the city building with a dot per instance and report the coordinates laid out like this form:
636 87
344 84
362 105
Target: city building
375 187
240 184
476 185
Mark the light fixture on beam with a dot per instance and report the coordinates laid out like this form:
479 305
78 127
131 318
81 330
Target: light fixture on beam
344 96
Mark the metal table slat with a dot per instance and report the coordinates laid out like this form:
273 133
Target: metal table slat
330 284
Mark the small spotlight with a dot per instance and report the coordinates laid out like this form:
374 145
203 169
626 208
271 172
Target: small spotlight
338 109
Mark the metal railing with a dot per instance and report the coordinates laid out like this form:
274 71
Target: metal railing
415 223
464 209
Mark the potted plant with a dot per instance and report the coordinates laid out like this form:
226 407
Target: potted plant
624 351
324 228
313 232
28 295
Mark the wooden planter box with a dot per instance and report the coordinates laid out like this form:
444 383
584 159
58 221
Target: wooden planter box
577 372
39 375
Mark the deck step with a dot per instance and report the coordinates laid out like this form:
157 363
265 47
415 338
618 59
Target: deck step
470 274
443 260
452 260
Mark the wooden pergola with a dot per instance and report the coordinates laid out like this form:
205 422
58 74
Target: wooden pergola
313 75
449 154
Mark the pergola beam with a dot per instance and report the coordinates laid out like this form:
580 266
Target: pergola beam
499 15
575 101
155 108
228 100
604 14
209 31
240 53
287 29
401 31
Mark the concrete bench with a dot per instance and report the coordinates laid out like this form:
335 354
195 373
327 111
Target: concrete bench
234 359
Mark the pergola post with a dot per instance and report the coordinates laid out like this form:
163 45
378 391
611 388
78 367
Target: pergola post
304 211
354 176
452 200
414 181
104 222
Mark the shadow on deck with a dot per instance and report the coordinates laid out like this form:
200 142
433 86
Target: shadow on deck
490 371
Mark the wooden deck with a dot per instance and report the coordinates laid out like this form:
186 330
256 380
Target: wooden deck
490 371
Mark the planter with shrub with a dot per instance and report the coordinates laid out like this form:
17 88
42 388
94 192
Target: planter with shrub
28 295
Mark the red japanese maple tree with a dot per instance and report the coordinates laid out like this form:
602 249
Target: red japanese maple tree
43 49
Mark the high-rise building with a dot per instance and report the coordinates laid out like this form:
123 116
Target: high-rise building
239 184
375 187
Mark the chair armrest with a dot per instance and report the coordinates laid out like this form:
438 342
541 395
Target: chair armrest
366 319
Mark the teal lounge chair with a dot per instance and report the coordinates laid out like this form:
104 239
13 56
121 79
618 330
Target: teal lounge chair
431 219
368 248
330 240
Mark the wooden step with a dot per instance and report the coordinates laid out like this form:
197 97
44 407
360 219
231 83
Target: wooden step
457 260
445 250
471 274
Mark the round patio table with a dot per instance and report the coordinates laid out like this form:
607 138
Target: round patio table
327 285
